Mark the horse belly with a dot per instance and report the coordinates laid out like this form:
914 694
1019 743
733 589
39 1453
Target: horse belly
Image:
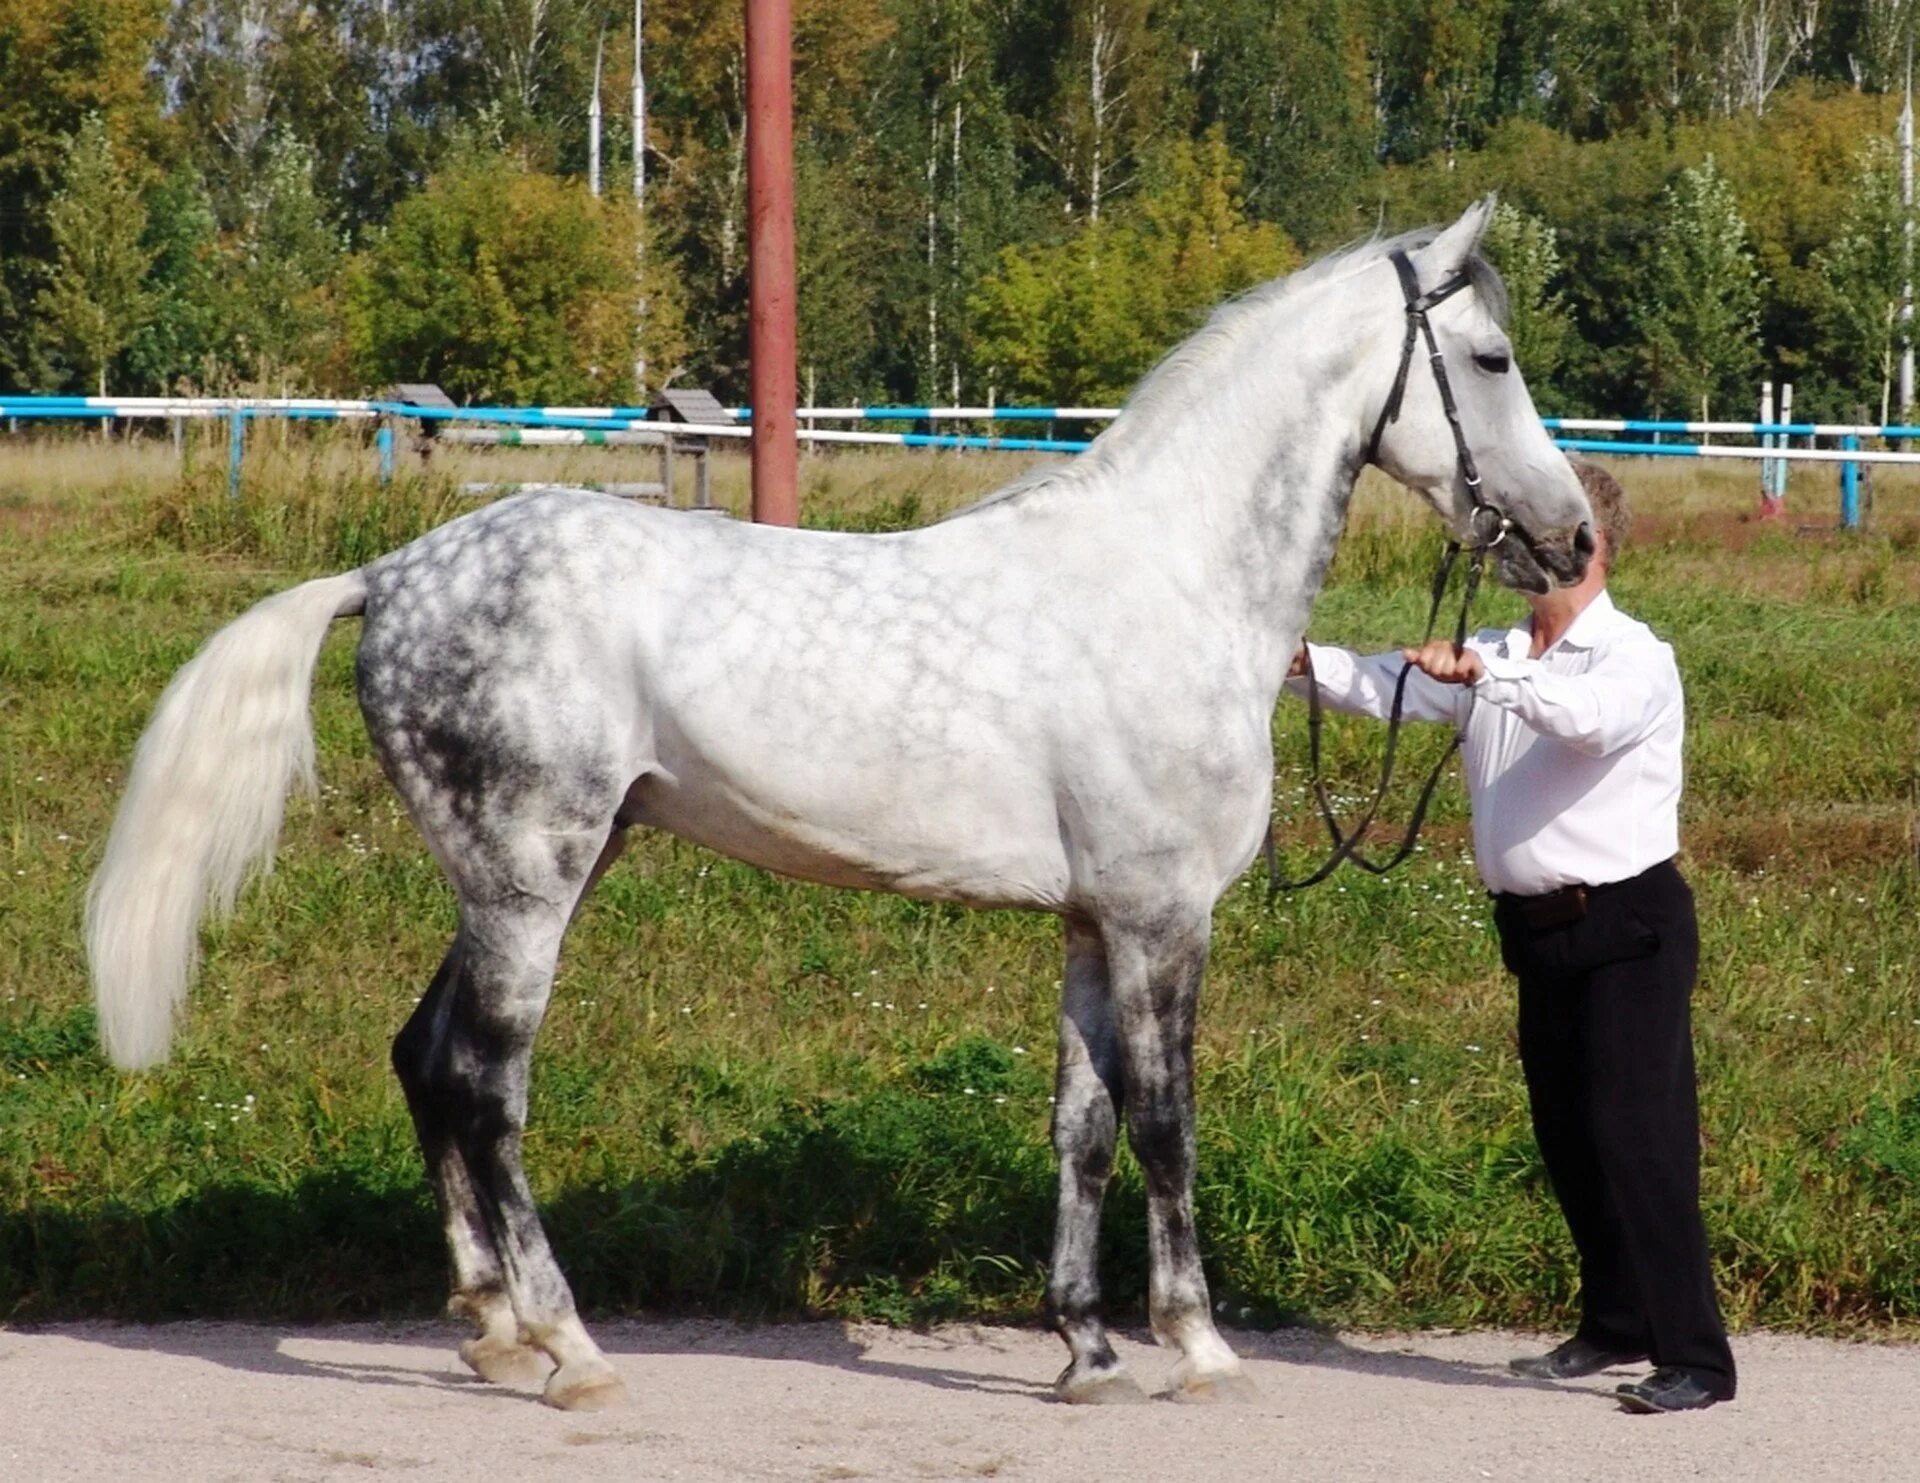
950 834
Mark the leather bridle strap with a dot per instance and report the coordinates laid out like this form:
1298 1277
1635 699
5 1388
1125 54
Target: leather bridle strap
1489 525
1346 844
1489 528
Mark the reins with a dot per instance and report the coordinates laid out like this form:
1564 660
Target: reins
1486 532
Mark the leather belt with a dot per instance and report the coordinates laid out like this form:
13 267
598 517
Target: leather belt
1554 909
1568 904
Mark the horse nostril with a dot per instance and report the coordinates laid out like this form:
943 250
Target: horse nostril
1583 539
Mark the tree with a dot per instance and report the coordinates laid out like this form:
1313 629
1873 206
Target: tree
1079 321
502 284
1701 326
1525 250
1863 272
60 60
98 297
1109 99
285 260
1288 85
184 339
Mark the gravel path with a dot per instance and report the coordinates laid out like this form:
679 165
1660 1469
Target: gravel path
217 1402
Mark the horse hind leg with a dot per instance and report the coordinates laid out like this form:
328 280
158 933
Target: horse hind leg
499 1351
1155 974
1087 1101
464 1062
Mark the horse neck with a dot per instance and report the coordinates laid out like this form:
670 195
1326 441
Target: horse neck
1246 464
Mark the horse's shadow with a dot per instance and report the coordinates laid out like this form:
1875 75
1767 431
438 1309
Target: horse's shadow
336 1235
275 1349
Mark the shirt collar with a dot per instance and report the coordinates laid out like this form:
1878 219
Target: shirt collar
1585 630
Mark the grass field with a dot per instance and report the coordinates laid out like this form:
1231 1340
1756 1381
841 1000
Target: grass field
759 1097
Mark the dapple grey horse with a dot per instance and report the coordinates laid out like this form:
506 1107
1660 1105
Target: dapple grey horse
1059 699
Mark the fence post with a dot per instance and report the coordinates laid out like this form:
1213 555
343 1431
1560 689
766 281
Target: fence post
1766 441
1850 485
1781 465
236 449
383 440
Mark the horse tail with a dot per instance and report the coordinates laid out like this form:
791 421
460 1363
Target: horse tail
202 808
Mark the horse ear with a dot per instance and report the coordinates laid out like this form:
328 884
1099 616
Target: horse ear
1447 254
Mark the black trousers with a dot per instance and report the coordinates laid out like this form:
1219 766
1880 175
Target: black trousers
1606 1041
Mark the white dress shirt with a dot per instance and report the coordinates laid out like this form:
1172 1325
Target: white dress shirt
1572 760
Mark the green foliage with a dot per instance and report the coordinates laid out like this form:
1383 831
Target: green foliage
1080 320
97 298
184 338
286 323
1702 317
930 141
1863 272
505 285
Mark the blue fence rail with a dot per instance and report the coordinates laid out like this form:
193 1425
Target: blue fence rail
590 424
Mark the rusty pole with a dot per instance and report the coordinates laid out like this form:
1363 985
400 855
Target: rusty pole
770 288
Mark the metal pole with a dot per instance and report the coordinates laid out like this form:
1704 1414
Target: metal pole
770 286
1786 441
236 450
1850 486
1766 441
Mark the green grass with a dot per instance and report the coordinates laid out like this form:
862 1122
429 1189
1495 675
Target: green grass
756 1097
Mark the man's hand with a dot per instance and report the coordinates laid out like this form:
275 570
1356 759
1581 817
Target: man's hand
1299 665
1446 661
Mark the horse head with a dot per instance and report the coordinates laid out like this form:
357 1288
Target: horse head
1456 423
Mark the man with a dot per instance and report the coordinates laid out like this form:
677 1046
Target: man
1571 737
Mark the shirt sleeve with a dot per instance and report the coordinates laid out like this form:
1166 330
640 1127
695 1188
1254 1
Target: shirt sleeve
1363 685
1617 702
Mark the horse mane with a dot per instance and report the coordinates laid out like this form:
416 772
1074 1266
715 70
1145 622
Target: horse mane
1225 327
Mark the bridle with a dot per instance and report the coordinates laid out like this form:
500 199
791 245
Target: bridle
1418 306
1488 526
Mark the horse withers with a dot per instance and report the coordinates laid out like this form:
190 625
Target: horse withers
1059 699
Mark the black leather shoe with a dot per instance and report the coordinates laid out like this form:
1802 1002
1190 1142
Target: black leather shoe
1573 1360
1666 1390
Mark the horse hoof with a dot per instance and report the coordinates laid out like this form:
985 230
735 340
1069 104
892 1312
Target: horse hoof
1221 1388
577 1388
504 1362
1110 1387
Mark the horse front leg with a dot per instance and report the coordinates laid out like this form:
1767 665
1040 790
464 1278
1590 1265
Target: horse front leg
1155 968
1086 1109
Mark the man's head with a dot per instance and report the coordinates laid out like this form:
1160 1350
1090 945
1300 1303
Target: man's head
1611 517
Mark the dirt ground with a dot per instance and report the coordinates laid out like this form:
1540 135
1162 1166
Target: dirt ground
709 1401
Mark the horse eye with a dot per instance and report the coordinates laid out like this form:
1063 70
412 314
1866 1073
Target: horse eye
1494 365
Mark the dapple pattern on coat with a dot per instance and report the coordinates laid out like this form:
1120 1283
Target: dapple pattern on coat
1060 700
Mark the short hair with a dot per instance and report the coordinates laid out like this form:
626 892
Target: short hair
1611 513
